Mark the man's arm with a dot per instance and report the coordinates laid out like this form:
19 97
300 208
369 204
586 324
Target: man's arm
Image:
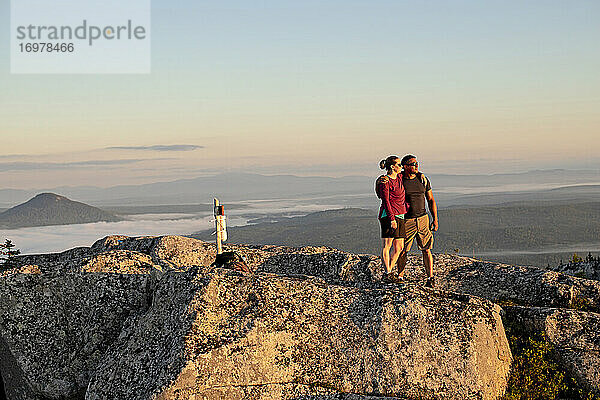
383 179
432 209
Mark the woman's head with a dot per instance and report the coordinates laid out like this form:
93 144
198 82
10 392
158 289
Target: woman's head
388 163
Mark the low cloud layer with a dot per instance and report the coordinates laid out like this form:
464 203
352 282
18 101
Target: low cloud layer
174 147
50 239
28 166
10 156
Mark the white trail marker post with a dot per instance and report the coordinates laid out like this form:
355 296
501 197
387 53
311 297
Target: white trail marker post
221 228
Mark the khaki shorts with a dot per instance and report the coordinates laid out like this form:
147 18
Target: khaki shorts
418 227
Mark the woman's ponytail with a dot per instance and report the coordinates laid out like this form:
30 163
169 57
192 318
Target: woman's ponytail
387 163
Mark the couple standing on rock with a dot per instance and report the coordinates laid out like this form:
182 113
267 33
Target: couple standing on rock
403 216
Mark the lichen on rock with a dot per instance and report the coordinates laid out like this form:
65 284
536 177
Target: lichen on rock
148 318
227 335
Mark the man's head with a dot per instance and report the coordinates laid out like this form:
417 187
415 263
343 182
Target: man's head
410 164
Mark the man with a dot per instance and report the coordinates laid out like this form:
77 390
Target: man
418 191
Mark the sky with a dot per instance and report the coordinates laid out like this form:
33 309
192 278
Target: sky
317 88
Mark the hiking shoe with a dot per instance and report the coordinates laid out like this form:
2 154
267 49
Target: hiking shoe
430 282
390 278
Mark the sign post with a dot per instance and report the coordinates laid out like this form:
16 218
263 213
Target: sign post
221 229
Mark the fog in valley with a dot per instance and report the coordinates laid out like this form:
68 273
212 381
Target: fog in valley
460 198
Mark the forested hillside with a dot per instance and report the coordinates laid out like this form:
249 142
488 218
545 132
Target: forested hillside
535 229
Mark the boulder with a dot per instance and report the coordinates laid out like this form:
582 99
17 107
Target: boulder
59 316
224 335
494 281
173 252
181 253
527 286
148 317
561 308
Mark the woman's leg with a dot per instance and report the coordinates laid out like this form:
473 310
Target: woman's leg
385 253
395 254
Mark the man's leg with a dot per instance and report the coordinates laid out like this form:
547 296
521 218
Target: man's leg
403 257
411 231
425 242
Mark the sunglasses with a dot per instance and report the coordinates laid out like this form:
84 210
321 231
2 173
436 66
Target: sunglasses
412 164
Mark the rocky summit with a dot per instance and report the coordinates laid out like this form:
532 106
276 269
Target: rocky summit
150 318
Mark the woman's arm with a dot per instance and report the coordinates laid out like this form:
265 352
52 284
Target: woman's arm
385 199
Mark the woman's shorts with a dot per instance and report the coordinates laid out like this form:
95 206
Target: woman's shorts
388 232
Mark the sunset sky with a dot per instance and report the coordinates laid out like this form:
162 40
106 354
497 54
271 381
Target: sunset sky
317 88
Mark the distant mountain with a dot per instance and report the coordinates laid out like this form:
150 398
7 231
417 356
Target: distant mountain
561 195
232 187
228 187
52 209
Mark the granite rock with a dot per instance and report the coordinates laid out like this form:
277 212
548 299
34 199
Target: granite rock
149 317
506 284
223 335
59 316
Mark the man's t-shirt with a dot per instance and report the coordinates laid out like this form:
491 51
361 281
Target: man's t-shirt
415 196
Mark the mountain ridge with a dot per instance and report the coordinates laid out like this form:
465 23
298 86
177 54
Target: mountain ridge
248 186
52 209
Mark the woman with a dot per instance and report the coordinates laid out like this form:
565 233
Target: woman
391 215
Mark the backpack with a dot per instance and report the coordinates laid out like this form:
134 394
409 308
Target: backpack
422 178
379 181
231 260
